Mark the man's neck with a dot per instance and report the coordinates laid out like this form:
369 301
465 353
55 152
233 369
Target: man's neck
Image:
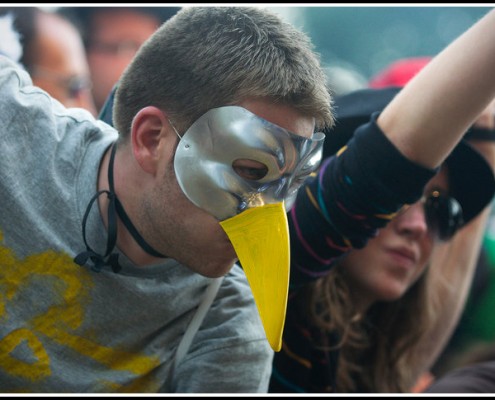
125 241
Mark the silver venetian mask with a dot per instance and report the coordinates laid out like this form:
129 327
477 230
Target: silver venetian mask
207 150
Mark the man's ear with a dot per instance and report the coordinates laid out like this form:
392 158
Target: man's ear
149 133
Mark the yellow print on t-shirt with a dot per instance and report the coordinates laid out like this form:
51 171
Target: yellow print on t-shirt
53 322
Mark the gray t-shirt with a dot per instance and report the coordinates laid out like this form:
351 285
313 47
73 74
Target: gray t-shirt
66 328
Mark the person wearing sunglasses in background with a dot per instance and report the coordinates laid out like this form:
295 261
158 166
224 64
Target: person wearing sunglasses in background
376 320
459 264
54 55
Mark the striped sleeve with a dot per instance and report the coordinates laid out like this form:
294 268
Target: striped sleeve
356 192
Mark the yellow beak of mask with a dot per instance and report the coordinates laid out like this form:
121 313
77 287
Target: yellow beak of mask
252 212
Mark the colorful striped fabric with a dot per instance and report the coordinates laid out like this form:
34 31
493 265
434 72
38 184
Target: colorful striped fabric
355 193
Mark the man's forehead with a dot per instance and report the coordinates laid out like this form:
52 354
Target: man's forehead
283 115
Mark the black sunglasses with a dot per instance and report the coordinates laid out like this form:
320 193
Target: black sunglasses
443 214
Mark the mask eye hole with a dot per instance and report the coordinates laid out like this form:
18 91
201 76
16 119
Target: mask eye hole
250 169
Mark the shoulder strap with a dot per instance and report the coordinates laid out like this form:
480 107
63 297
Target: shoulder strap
204 306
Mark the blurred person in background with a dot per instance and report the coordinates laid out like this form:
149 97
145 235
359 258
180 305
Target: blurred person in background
112 36
53 54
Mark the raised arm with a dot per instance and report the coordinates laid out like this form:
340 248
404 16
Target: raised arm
387 163
430 115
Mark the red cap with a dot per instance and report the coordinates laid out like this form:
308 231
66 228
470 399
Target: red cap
398 73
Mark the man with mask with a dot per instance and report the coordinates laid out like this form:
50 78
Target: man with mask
118 249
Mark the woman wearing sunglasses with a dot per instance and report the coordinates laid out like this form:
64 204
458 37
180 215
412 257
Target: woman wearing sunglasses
376 321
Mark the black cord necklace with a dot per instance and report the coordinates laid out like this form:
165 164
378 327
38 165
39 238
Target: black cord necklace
115 209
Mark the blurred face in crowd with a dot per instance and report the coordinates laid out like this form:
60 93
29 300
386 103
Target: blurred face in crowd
114 38
392 261
60 65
